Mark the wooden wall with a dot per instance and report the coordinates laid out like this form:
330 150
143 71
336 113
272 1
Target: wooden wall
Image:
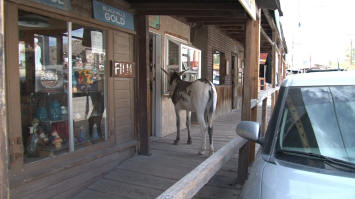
224 101
123 90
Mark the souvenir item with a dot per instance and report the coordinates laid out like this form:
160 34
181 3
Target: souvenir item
95 135
55 111
41 114
56 140
32 147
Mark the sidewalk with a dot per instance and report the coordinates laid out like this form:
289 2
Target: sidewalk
149 176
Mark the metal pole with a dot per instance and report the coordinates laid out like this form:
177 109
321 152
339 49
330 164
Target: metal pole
70 93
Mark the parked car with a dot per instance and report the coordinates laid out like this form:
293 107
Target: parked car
309 148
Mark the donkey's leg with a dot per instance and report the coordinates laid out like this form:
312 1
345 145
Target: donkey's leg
201 120
177 127
210 132
188 124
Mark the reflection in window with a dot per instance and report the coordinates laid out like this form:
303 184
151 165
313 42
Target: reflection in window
43 74
88 88
216 66
320 120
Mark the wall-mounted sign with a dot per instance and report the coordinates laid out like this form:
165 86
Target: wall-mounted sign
123 69
60 4
250 7
154 21
112 15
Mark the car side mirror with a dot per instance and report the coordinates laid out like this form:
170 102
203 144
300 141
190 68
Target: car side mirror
249 130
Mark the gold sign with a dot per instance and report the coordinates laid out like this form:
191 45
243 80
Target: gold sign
123 69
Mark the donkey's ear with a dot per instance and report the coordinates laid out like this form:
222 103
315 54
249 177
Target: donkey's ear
166 72
182 72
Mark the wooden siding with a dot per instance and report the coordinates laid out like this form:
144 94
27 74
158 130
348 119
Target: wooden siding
123 90
224 101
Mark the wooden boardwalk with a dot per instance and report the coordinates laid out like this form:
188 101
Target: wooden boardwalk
149 176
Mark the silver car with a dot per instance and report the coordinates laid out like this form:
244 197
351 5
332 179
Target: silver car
309 148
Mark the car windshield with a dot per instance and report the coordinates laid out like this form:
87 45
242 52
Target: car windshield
320 120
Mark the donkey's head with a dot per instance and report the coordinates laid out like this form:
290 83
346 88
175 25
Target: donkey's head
173 78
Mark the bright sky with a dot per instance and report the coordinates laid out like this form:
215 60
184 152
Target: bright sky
325 31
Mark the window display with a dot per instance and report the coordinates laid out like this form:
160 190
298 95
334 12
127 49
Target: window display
43 75
182 57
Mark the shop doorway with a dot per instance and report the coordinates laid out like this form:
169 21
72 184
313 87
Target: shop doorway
155 85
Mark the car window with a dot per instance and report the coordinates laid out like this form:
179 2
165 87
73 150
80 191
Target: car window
320 120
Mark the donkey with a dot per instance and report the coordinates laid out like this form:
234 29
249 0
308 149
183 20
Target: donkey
199 96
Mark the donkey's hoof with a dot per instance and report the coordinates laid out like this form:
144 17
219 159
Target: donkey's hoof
210 153
202 152
189 141
176 142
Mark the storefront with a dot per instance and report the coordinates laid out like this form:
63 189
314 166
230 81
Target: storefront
70 92
223 58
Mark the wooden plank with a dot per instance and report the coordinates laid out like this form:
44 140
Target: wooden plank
264 117
4 183
122 189
71 179
92 194
190 184
140 179
13 85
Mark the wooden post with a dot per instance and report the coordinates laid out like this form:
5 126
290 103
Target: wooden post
142 57
4 184
273 66
264 116
250 90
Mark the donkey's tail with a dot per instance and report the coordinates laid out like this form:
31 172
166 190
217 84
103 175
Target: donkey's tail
211 105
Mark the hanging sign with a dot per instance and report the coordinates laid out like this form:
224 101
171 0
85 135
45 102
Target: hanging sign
250 7
96 42
60 4
112 15
123 69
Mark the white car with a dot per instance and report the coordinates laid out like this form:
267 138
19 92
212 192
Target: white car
309 148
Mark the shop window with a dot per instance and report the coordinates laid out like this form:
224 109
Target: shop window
181 57
43 75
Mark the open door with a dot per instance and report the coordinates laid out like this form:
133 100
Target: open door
155 82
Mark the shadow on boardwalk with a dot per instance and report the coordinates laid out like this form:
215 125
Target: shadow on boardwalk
149 176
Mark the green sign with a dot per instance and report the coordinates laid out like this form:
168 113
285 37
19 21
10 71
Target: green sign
59 4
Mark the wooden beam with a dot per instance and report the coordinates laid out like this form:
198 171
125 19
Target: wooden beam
185 6
269 19
4 182
142 46
193 13
191 183
220 22
266 36
13 98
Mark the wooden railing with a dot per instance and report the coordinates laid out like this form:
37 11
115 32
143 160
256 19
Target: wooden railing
191 183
